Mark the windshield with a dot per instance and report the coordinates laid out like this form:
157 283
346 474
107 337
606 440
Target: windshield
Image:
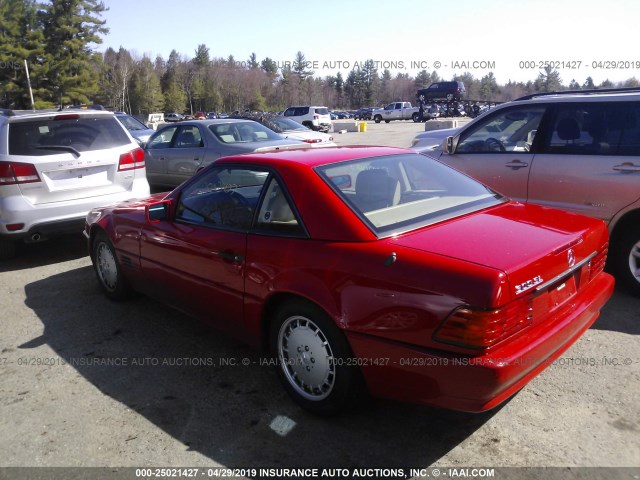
131 123
398 193
288 124
243 132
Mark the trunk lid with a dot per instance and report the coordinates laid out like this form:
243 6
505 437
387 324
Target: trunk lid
539 249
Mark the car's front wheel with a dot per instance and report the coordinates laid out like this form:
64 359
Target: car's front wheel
377 119
107 268
314 360
626 260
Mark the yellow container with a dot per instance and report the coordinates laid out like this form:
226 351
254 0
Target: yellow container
362 127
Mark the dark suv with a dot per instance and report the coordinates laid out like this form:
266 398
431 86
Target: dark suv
449 91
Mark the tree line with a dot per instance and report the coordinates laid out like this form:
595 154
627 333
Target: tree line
58 40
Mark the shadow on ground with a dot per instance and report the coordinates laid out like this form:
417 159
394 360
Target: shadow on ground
235 415
56 250
620 314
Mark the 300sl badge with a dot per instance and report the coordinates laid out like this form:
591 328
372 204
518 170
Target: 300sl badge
529 284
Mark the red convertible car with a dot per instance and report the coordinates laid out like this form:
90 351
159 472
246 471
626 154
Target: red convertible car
364 269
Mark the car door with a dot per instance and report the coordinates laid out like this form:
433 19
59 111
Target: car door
589 161
195 258
497 150
186 155
392 111
156 150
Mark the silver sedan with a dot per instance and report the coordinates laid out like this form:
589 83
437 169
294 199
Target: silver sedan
176 152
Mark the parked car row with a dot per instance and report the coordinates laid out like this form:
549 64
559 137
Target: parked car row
177 117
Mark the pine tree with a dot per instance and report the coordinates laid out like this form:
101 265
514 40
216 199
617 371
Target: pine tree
70 28
20 39
548 80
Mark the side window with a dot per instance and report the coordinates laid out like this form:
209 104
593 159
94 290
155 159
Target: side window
289 112
224 197
595 129
276 214
188 137
162 139
510 130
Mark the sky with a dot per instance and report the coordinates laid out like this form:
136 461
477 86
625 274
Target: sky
511 38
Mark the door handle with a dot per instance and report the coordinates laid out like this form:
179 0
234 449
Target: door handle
230 256
627 167
515 164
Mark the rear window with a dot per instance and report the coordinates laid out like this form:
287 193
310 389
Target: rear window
398 193
50 137
322 111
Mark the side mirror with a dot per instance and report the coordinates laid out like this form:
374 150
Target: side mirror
447 145
158 211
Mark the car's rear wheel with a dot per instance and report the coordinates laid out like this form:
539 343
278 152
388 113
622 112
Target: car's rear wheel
7 249
314 360
107 268
626 260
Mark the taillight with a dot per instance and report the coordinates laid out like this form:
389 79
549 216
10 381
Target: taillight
131 160
312 140
476 328
12 173
316 117
597 263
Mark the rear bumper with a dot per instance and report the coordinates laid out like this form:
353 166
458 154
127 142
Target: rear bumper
49 219
476 384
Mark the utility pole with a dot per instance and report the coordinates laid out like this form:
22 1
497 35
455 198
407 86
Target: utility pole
26 69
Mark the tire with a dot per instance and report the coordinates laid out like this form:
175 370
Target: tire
416 117
449 97
312 359
7 248
387 121
625 256
377 119
108 270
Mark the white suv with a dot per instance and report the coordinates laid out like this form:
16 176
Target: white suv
316 118
56 166
578 151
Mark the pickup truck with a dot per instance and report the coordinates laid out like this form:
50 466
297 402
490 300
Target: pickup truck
396 111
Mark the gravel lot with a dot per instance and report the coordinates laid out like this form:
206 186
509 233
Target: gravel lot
89 382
